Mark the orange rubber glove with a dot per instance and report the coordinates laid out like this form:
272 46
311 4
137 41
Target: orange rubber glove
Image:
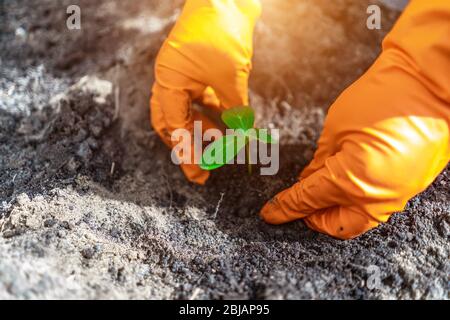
385 139
206 58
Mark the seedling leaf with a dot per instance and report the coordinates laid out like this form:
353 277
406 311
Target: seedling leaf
239 118
261 135
265 137
221 151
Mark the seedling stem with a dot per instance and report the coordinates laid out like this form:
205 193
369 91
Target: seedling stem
247 149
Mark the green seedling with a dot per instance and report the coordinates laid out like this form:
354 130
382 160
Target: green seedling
226 148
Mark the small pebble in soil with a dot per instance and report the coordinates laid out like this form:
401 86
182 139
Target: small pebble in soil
88 253
61 233
92 143
392 244
66 225
95 130
72 165
49 223
84 151
12 233
115 233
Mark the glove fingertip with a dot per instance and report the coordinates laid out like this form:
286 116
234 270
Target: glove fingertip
271 214
195 174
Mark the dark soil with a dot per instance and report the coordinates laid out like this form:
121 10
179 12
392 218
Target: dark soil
91 206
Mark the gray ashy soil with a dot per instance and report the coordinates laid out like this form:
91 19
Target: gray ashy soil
91 206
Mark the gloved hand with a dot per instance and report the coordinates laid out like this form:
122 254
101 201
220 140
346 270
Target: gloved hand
207 57
385 139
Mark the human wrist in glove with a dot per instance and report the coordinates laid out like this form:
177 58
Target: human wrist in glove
206 58
387 136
